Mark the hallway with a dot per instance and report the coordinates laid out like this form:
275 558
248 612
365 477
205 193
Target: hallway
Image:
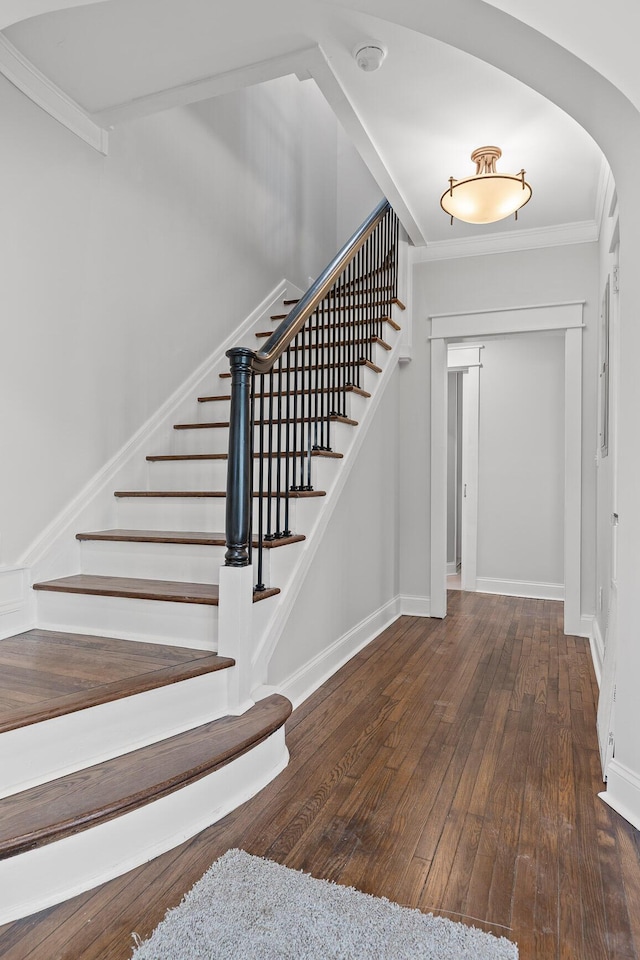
451 766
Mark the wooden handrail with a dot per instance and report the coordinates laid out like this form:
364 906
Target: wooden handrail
380 229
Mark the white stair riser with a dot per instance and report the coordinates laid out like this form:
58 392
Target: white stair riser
199 440
216 439
154 621
57 871
386 332
212 474
44 751
193 563
194 513
212 411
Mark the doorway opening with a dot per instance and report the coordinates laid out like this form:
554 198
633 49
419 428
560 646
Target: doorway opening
566 318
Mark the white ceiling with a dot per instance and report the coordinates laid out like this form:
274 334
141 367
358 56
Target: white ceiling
424 111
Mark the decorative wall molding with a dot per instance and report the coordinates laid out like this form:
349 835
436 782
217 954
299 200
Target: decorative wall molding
54 101
527 318
623 792
65 525
313 674
585 231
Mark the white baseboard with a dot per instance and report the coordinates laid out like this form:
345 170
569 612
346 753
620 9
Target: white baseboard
313 674
52 553
623 792
415 606
521 588
596 644
453 567
17 608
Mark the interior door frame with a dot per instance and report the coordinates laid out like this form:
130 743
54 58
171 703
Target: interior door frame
464 358
532 318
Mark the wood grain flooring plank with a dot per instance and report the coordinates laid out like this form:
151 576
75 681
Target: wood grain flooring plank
452 765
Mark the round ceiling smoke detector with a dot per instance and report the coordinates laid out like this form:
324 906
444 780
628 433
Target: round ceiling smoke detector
369 56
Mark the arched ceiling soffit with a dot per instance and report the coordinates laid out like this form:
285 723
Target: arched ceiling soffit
488 33
12 11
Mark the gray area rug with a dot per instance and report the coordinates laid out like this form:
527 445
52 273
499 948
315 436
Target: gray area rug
248 908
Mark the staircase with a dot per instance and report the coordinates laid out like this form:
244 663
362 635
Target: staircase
131 716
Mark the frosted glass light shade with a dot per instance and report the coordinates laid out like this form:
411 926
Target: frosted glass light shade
487 196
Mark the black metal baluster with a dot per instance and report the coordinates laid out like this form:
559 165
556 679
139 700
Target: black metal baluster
314 372
261 428
396 224
333 360
322 398
278 523
303 351
269 534
287 422
344 343
306 381
294 458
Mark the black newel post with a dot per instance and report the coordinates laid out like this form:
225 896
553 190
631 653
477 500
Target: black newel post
240 464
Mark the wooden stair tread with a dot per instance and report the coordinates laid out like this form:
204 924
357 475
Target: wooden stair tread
362 362
135 588
330 454
328 344
47 673
197 537
357 305
215 424
66 806
347 388
343 323
292 494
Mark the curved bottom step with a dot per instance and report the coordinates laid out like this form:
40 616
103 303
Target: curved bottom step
62 838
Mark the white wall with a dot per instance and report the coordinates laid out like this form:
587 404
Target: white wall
521 460
121 273
453 443
553 274
606 499
355 571
358 193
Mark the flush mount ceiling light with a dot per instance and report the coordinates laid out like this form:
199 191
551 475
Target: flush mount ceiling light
487 196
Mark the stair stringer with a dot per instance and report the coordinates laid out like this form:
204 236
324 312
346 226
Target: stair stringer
56 553
269 617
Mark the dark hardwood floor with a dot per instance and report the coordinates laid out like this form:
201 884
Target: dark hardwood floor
451 766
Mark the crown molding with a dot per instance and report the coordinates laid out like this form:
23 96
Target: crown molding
585 231
54 101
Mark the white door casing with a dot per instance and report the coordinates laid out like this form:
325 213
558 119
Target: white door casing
526 319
